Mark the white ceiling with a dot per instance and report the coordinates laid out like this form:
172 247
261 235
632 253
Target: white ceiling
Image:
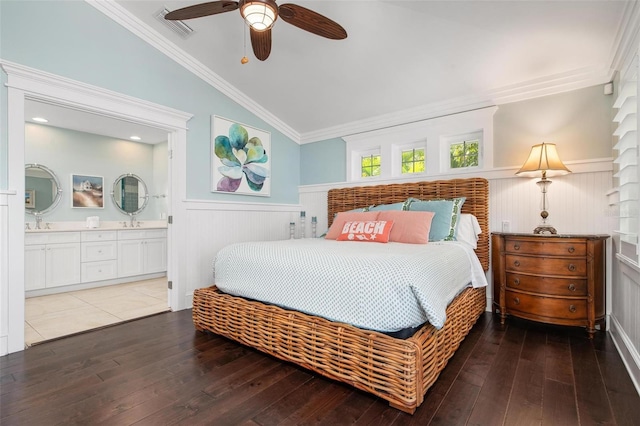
405 55
402 60
82 121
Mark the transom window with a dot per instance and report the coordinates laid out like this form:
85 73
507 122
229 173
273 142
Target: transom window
413 160
464 154
370 165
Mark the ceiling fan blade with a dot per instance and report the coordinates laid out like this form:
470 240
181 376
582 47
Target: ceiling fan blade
311 21
261 43
202 9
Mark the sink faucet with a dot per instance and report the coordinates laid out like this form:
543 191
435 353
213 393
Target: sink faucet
38 221
133 220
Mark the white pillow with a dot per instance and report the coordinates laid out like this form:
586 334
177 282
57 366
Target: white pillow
468 230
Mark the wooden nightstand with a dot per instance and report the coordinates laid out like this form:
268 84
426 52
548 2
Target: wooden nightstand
556 279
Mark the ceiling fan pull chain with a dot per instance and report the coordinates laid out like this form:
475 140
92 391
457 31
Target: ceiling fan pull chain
244 59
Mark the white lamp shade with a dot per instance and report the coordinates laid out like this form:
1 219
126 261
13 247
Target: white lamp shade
543 158
259 15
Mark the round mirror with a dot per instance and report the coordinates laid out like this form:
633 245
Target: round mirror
130 194
42 189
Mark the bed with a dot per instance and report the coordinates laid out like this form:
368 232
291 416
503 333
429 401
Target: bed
397 370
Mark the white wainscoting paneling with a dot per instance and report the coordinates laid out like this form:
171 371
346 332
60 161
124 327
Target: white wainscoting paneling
577 203
4 276
211 227
625 317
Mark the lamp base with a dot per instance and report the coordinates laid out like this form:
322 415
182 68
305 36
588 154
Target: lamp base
545 229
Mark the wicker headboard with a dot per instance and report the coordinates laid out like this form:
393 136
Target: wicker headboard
475 189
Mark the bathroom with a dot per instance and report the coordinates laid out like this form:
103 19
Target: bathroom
73 245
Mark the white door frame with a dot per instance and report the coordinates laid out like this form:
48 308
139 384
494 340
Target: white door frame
28 83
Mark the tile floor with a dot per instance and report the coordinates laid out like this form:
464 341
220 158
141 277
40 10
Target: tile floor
49 317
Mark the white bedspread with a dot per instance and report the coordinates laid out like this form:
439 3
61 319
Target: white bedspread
384 287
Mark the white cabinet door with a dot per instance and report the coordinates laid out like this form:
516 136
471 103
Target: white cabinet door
63 264
130 258
155 252
34 267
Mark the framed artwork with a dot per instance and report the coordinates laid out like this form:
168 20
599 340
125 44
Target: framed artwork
240 158
30 198
87 191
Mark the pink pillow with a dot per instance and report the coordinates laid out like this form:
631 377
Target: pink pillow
410 227
374 231
342 217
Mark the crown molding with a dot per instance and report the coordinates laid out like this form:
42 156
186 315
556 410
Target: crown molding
123 17
627 38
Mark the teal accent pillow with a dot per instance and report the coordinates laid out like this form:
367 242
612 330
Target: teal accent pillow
445 222
386 207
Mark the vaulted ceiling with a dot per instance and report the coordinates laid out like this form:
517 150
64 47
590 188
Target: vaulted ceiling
402 60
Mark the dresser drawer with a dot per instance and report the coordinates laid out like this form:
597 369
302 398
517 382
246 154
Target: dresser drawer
546 265
106 250
547 307
98 271
545 247
547 285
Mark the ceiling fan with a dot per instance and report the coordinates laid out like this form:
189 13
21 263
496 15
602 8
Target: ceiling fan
260 16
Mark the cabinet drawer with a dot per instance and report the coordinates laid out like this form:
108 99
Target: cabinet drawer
547 307
549 248
138 234
547 285
99 236
51 238
547 265
98 271
94 251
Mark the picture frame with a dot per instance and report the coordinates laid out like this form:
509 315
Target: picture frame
87 191
30 198
240 158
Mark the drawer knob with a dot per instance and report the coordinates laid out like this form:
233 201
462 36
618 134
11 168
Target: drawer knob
571 249
517 263
572 287
516 281
516 300
516 246
572 267
572 308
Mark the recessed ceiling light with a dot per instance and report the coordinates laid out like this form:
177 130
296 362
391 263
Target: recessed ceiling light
40 119
135 138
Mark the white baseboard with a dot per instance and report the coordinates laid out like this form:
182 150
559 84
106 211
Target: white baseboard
627 351
4 345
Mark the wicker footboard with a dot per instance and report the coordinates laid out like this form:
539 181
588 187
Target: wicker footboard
397 370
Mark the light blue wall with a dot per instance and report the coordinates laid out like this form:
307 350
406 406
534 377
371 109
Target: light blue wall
68 152
323 162
74 40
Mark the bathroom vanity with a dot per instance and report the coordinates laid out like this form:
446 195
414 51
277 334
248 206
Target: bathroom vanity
56 258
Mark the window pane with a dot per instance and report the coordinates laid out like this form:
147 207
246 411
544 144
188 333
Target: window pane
413 161
370 166
464 154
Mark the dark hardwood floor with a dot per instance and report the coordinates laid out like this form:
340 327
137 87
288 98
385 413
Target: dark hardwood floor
158 370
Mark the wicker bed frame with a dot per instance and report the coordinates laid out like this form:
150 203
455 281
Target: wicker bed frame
397 370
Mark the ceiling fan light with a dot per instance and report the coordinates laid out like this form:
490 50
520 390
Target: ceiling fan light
259 14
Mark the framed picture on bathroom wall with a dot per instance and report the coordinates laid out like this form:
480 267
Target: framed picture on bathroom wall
30 198
87 191
240 158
